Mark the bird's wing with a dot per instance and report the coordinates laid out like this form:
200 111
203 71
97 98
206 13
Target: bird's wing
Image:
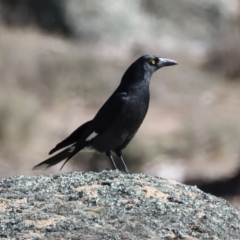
109 111
90 129
105 117
72 138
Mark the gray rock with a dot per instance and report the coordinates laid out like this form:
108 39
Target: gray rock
111 205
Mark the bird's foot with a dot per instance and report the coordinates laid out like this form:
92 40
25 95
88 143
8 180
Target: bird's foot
127 171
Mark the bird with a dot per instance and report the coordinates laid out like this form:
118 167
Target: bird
117 121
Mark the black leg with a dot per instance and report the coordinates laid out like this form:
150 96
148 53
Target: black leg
119 154
109 155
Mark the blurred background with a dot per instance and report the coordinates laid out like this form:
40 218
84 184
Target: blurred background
61 59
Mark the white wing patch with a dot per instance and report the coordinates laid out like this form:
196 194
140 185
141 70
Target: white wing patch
91 136
71 149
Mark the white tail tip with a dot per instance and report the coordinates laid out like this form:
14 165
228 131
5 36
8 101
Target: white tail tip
41 167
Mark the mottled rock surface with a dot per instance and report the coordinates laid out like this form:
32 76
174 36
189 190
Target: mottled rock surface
111 205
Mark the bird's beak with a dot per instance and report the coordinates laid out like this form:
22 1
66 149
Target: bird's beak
164 62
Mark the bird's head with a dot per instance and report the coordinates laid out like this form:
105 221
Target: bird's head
152 63
142 69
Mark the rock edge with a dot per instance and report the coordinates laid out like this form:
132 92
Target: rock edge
111 205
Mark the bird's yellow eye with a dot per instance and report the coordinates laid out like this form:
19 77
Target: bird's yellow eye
153 62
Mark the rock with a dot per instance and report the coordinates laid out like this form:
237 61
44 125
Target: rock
111 205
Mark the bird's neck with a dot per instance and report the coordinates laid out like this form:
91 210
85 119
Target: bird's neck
134 88
134 80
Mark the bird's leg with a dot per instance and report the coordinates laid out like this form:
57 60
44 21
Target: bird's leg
119 154
109 155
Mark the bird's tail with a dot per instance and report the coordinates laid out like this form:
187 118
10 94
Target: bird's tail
65 154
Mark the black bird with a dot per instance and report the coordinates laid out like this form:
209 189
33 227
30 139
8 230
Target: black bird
119 118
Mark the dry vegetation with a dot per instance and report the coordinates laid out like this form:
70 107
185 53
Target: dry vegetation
51 84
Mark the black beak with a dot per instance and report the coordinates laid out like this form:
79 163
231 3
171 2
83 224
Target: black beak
164 62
